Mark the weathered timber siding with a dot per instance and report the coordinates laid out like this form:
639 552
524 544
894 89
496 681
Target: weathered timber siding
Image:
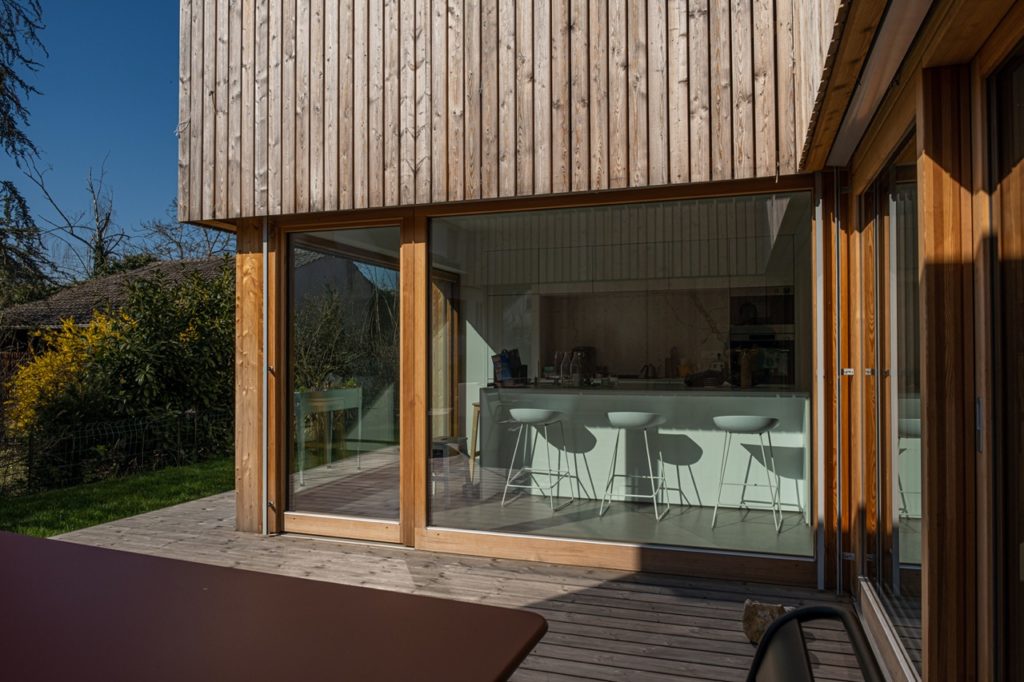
297 106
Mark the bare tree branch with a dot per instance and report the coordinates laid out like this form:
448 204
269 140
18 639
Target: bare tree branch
170 238
92 236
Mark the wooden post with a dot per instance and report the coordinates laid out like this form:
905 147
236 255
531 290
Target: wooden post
947 374
415 283
248 378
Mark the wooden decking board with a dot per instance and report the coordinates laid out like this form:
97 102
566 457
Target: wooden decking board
639 663
603 624
595 671
526 675
668 651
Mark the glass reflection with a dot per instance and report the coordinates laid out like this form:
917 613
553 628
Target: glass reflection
580 358
343 354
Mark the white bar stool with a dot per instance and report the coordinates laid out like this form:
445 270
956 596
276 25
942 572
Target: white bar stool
750 425
537 419
624 421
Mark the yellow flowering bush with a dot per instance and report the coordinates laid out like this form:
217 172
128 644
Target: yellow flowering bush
161 366
55 369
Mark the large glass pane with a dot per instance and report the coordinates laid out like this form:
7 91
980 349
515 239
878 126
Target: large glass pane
899 461
343 331
580 358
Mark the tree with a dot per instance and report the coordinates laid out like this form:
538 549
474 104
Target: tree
23 275
23 263
172 239
94 242
20 23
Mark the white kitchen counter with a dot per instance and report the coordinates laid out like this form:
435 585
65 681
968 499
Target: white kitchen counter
690 445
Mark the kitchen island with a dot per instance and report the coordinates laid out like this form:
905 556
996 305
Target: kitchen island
690 445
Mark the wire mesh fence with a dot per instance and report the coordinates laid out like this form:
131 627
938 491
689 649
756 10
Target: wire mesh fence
10 361
91 452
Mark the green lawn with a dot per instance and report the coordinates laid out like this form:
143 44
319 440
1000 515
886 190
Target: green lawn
60 511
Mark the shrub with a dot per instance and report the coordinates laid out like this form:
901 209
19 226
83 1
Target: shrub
166 355
54 374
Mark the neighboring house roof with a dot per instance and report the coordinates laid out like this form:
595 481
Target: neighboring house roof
79 301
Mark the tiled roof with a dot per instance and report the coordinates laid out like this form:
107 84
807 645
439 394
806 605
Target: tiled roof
79 301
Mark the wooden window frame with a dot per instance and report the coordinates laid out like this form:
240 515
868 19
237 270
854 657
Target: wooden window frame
993 562
961 613
414 282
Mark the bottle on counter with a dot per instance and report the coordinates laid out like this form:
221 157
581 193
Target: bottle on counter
576 370
565 368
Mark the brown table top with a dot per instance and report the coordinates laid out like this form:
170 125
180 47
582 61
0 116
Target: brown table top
72 611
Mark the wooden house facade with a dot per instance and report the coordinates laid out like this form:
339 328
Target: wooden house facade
710 287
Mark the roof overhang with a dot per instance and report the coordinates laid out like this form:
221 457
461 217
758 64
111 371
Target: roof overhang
215 225
900 26
872 40
913 34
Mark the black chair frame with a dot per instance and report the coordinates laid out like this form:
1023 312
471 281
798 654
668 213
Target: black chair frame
861 647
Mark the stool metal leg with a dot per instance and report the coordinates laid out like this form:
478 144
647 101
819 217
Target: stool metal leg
696 490
558 473
904 510
778 484
721 477
512 464
551 489
657 485
568 470
769 468
528 476
533 456
746 480
607 497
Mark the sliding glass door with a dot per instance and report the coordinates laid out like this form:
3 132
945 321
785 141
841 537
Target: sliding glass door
890 346
343 373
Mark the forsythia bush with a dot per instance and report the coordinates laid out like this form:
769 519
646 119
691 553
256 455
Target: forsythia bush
54 372
168 351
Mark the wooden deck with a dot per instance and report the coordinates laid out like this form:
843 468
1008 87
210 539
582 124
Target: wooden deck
604 625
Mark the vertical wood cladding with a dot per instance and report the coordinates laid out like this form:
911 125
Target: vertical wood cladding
295 106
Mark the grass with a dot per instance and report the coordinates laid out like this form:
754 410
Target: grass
60 511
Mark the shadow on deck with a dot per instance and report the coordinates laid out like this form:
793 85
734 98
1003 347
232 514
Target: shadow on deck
603 624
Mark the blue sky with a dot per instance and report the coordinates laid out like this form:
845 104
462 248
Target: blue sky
108 89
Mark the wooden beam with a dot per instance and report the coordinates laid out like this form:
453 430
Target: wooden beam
277 389
413 434
359 529
947 381
248 377
616 556
184 105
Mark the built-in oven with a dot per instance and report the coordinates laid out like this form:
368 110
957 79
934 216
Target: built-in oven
762 337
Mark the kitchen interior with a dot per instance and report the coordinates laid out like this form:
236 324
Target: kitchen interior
682 311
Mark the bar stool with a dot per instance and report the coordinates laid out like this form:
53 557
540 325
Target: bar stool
750 425
626 421
536 419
